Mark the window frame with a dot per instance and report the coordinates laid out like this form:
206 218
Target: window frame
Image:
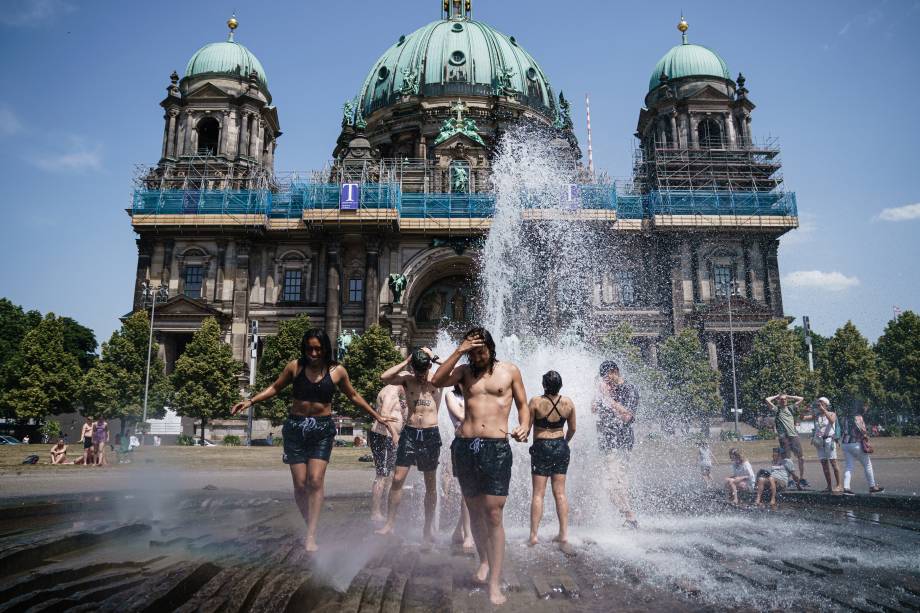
355 288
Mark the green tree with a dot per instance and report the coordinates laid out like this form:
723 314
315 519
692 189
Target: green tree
114 386
277 352
694 383
851 370
205 379
42 377
79 341
14 324
368 356
898 350
774 364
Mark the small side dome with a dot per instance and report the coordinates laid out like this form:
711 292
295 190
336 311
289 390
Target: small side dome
688 60
228 58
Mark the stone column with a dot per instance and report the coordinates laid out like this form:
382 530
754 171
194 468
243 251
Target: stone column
187 141
165 135
144 259
243 149
333 290
371 290
171 133
239 327
695 272
675 139
685 130
772 277
260 139
165 273
747 130
713 352
748 273
730 130
221 270
224 134
253 150
677 284
422 147
694 134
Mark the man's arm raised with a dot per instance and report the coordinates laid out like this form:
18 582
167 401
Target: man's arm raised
449 374
396 375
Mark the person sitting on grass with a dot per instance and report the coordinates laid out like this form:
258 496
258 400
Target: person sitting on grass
742 475
777 478
59 452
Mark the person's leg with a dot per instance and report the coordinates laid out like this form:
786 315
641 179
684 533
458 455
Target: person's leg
380 490
468 544
772 493
493 511
836 471
480 536
867 468
619 486
393 500
761 482
536 506
848 465
301 493
827 475
431 503
562 507
315 486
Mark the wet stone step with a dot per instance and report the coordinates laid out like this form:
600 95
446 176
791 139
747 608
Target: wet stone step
89 599
850 602
374 590
887 602
686 586
277 590
28 556
752 575
403 567
53 575
351 601
166 591
807 567
64 590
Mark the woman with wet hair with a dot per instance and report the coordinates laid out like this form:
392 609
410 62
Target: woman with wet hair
549 454
308 431
742 475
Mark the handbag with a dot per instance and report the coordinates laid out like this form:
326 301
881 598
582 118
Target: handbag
866 445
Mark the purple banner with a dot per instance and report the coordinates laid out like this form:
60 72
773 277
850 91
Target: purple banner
349 196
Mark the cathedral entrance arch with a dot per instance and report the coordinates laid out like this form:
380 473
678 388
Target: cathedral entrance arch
440 293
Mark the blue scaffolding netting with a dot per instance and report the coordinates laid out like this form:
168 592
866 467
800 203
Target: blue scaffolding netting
298 198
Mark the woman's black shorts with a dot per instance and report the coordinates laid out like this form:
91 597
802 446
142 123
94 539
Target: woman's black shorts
307 438
549 456
384 453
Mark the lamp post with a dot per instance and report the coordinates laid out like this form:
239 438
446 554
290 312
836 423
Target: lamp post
731 340
153 295
806 325
253 357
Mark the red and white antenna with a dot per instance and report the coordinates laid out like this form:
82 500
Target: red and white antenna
590 148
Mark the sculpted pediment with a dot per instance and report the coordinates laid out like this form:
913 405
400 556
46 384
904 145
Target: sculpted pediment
708 92
208 90
458 140
188 307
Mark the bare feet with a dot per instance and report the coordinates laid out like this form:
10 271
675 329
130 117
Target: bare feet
481 574
496 596
560 538
469 546
532 541
387 529
310 544
761 505
377 517
773 505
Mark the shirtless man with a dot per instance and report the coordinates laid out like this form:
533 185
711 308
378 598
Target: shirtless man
420 440
86 434
482 454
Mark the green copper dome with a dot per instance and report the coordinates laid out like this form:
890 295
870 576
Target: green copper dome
456 57
688 60
226 58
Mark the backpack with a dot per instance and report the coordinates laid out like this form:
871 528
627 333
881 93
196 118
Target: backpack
31 459
838 432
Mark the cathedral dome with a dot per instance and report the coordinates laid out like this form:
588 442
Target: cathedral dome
226 58
687 60
456 57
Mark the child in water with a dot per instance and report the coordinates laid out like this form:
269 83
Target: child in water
705 460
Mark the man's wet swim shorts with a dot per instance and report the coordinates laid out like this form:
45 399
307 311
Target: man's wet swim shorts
384 453
419 447
482 465
549 456
307 438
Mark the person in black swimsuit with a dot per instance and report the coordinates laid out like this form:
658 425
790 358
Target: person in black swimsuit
549 454
308 432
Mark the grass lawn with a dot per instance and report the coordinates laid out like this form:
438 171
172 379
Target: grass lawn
248 458
219 457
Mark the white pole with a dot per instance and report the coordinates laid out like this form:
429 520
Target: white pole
590 148
731 340
253 357
153 308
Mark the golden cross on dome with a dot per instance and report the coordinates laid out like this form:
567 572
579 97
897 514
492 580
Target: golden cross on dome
459 107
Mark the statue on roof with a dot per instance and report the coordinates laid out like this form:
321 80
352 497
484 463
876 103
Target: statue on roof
459 125
505 84
348 113
563 118
410 82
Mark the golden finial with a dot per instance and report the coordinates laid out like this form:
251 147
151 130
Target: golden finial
233 24
683 26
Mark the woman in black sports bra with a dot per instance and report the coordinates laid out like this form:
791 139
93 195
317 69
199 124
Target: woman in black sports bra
309 433
549 454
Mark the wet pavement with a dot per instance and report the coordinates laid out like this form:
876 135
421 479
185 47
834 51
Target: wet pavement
228 550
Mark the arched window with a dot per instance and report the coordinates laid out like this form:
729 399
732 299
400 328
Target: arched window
208 136
710 134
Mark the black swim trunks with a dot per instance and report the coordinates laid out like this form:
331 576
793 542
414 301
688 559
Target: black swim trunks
384 453
549 456
87 442
419 447
482 465
307 438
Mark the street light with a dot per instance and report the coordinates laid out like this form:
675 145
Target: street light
253 357
151 295
732 291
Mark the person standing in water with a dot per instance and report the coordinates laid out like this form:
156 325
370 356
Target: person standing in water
391 402
482 454
86 434
463 533
615 405
309 433
420 439
549 454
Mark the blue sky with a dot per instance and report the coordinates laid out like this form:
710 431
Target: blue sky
835 81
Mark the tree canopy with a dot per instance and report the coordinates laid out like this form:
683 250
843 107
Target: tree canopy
695 385
850 371
114 386
774 364
205 381
898 350
277 352
368 356
41 377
